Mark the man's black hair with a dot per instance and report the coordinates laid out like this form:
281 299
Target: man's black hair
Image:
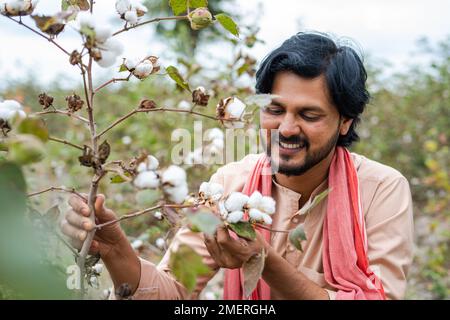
311 54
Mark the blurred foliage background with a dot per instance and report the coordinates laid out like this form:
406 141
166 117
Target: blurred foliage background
406 126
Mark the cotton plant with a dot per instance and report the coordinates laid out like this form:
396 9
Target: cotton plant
10 110
130 10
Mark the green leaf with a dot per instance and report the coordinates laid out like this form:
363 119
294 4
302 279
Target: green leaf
186 265
317 199
178 6
242 69
35 127
198 3
123 68
204 221
120 179
244 230
296 236
175 75
260 100
228 23
252 270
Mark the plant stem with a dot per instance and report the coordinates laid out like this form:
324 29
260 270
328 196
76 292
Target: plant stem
65 142
57 111
149 21
71 190
162 109
272 230
114 80
136 214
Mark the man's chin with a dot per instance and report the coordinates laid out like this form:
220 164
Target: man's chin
288 167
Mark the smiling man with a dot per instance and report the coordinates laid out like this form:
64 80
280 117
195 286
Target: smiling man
359 239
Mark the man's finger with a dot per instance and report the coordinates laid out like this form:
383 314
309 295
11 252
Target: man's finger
79 205
79 221
72 232
213 248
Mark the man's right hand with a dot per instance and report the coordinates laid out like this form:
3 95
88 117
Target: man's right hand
76 224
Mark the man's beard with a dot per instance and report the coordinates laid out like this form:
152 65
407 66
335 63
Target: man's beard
311 159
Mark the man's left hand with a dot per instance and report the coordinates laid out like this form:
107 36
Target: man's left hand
232 253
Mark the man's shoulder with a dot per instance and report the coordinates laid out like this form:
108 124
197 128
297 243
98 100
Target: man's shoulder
368 169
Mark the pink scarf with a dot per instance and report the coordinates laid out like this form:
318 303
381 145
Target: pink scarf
345 262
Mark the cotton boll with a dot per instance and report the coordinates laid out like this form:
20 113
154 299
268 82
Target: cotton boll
222 210
211 190
255 214
235 108
98 268
85 20
108 59
174 175
160 243
123 6
177 194
131 17
102 33
267 204
235 216
158 215
255 199
143 69
12 105
146 179
142 167
152 163
236 201
113 45
131 63
267 219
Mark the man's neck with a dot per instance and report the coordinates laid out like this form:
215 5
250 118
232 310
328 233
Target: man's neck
306 183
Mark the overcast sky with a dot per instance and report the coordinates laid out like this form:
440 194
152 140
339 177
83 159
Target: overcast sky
386 29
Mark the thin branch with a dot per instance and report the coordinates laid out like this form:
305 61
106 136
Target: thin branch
40 34
162 109
272 230
66 143
71 190
114 80
126 28
136 214
67 113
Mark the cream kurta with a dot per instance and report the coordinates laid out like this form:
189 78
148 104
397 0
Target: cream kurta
387 207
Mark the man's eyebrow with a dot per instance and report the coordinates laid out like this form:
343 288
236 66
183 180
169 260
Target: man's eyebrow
303 108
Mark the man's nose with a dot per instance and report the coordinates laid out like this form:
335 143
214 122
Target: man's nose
288 127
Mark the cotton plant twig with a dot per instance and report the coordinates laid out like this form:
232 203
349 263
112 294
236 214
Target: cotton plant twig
63 189
126 28
141 212
114 80
66 143
161 109
67 113
272 230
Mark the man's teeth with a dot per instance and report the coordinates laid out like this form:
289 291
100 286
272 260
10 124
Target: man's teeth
290 145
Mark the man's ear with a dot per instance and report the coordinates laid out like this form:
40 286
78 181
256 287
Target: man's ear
345 125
